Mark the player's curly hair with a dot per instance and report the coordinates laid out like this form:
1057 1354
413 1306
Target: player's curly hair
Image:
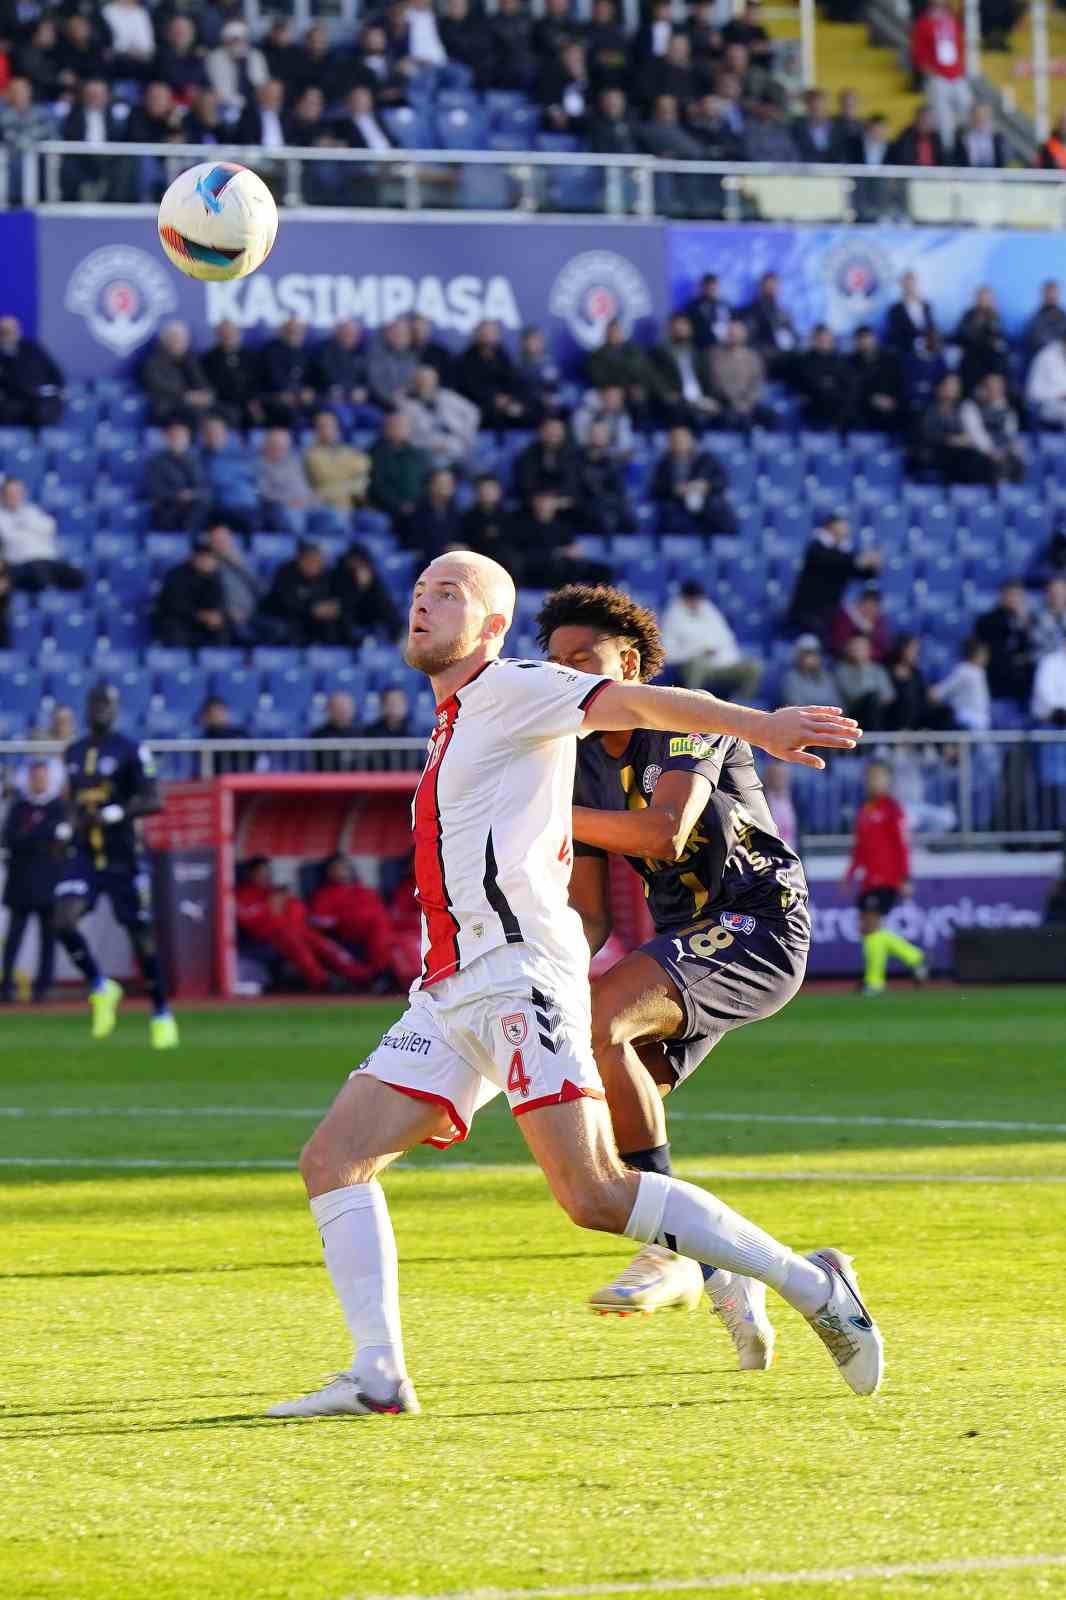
613 613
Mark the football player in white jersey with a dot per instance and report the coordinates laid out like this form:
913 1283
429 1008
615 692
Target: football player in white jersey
502 1002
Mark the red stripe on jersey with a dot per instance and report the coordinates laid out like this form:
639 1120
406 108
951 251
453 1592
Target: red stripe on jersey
431 891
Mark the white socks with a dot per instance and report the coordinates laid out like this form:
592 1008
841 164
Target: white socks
695 1223
360 1249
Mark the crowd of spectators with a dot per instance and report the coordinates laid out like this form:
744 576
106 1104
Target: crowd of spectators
702 84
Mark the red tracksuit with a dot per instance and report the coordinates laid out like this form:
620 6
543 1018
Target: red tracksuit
406 932
880 855
279 920
356 915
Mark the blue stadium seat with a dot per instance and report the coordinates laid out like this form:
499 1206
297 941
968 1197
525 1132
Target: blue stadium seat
135 695
77 466
240 689
406 128
487 188
220 658
133 516
272 548
70 686
632 546
352 680
75 631
125 466
520 119
163 723
82 413
275 722
126 629
79 520
165 550
21 690
499 101
461 128
786 471
576 188
557 143
109 662
183 692
128 578
274 657
128 410
28 629
292 687
15 439
161 659
27 462
328 658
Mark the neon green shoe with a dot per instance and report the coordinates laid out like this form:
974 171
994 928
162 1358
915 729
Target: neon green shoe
163 1031
105 1002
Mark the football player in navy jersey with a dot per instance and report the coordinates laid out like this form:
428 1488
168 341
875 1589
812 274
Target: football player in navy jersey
728 900
111 782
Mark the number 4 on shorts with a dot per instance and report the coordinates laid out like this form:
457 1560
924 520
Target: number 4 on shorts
517 1080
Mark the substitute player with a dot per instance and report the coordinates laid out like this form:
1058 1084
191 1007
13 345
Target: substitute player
111 782
502 1002
881 862
729 902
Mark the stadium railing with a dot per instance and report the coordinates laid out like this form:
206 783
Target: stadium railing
961 790
499 182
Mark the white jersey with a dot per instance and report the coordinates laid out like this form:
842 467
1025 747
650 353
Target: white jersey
492 818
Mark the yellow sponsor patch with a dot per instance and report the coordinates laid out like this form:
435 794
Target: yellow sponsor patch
696 745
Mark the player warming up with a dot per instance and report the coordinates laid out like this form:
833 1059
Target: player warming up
729 902
502 1001
881 861
111 782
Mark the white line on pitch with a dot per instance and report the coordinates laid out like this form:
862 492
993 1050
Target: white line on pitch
983 1124
745 1580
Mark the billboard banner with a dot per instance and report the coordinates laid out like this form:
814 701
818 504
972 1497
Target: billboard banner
18 250
105 286
846 276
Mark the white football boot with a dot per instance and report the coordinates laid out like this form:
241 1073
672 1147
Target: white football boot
343 1398
846 1328
653 1280
740 1305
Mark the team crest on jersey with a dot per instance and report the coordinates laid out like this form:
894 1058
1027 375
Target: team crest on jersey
736 922
652 775
514 1028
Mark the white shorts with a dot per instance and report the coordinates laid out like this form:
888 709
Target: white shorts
508 1024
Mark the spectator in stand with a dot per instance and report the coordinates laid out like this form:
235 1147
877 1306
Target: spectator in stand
620 362
767 135
62 725
808 681
339 366
157 120
606 44
683 385
285 496
771 330
485 527
991 426
391 363
235 69
937 55
204 122
1007 630
1048 321
738 376
607 406
487 376
132 39
273 918
564 90
428 350
1052 152
176 483
689 487
747 30
467 39
550 462
552 29
7 589
302 599
702 649
872 196
31 384
814 133
828 567
919 144
190 610
232 374
398 470
863 614
708 314
910 318
317 66
360 129
285 374
35 831
80 51
262 120
395 719
353 915
180 62
1051 561
912 709
443 423
37 59
338 473
964 692
849 129
613 130
544 552
924 369
708 122
1049 690
217 726
340 722
539 373
652 38
878 381
826 378
232 481
944 443
174 379
435 524
1049 626
1045 386
866 691
979 144
603 505
366 607
28 543
22 125
241 591
982 340
378 70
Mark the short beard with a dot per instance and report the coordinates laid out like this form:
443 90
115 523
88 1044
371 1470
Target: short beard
433 659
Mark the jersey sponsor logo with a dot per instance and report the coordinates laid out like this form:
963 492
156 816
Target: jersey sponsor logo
737 922
595 287
697 745
123 294
652 775
515 1028
415 1044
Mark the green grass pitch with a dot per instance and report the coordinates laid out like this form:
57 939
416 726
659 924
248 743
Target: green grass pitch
163 1285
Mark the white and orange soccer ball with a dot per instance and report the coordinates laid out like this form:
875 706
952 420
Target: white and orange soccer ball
218 221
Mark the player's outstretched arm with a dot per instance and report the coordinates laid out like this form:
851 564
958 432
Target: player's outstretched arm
784 734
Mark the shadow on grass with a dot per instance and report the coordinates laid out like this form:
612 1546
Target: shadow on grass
298 1266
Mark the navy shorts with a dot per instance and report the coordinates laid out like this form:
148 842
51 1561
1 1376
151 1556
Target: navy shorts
128 888
881 900
730 971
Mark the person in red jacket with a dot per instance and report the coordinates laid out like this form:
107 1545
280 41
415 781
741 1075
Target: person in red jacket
343 908
881 861
406 918
272 916
938 56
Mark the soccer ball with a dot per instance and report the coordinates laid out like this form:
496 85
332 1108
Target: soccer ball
218 221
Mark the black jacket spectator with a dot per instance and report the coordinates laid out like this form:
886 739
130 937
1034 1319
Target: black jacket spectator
511 33
919 145
436 521
550 462
708 313
689 487
983 342
1048 322
878 384
826 379
301 597
29 837
485 527
829 565
772 330
612 130
286 373
174 379
603 505
467 39
232 372
176 484
486 374
191 608
909 319
814 134
217 726
341 723
338 369
1008 632
31 384
179 63
365 602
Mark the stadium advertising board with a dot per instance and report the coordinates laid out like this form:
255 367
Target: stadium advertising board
18 250
105 286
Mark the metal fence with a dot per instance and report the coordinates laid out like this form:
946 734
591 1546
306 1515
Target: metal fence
960 790
548 183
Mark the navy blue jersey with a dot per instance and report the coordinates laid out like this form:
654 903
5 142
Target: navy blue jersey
733 859
101 771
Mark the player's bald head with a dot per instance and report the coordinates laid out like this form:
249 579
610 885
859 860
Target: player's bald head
492 583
